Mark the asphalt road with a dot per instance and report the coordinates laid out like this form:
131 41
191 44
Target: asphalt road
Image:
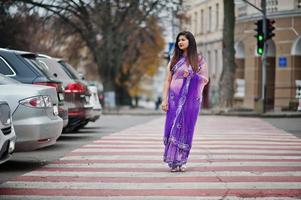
291 125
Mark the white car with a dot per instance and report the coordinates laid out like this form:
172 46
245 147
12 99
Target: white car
7 133
94 101
35 113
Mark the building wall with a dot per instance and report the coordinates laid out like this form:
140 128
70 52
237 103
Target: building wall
206 23
281 87
280 80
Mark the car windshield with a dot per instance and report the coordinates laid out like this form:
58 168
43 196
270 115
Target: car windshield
6 80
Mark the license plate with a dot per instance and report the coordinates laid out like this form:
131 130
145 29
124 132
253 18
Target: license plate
61 96
55 110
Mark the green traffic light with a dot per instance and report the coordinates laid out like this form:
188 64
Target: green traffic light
260 51
260 37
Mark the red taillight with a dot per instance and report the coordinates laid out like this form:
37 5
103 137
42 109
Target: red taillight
75 88
76 112
37 102
34 102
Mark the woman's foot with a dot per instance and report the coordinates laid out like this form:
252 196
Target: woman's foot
182 168
175 169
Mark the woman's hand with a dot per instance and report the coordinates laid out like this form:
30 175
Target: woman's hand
185 74
164 105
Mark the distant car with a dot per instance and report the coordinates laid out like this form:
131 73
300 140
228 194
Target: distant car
7 133
35 113
77 95
23 66
94 99
100 92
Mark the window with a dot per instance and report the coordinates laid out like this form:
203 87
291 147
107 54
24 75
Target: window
53 67
202 21
210 19
209 62
189 23
72 73
215 62
195 23
217 16
5 68
32 60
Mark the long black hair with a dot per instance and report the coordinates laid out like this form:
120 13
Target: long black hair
192 54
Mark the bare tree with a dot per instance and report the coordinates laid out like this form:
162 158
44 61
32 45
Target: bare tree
226 84
146 44
105 26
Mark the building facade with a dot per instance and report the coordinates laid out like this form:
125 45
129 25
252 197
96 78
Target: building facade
283 52
206 23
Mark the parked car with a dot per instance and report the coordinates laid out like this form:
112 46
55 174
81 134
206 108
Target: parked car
7 133
94 99
35 113
100 91
77 95
24 67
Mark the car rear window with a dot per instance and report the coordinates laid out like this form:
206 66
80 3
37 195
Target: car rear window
70 70
54 68
5 68
33 61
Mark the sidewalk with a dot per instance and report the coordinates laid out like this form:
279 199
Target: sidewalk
243 113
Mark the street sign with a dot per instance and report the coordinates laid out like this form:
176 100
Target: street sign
170 47
282 62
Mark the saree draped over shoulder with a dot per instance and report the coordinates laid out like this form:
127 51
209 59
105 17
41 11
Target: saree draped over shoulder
184 102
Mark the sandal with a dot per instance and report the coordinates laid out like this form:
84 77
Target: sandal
175 169
182 168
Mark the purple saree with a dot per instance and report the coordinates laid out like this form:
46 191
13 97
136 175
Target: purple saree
184 102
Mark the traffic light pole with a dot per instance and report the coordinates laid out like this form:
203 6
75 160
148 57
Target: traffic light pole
263 56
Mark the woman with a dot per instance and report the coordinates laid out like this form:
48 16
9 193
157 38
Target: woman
186 77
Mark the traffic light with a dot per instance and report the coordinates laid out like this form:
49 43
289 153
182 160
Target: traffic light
270 28
259 36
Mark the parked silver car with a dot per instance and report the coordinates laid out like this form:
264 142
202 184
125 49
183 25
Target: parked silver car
35 113
77 94
94 99
7 133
